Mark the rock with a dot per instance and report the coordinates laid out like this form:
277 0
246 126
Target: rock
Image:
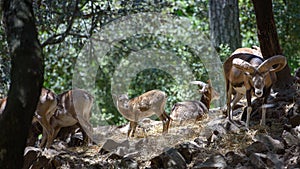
112 146
188 150
269 160
289 139
215 161
258 160
295 120
128 163
169 159
296 131
274 161
122 151
214 131
293 162
133 154
273 145
287 127
186 132
215 136
256 147
140 143
76 140
99 166
217 125
200 142
246 166
233 159
157 162
115 156
231 127
292 157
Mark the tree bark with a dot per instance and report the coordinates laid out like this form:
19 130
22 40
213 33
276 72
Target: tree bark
26 81
224 23
268 40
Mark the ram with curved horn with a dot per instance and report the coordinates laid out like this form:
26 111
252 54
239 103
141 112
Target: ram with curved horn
247 74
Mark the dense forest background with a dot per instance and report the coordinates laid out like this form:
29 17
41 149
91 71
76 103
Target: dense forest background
64 28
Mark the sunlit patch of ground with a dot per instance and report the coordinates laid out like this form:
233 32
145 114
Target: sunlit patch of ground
149 141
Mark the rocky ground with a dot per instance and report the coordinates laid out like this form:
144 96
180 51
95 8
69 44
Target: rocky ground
213 142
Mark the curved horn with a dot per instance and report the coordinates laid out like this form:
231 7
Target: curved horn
243 65
198 83
267 64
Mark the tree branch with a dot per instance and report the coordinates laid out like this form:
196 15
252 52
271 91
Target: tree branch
58 38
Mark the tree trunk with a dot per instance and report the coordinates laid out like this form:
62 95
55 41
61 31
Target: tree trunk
26 81
268 40
224 23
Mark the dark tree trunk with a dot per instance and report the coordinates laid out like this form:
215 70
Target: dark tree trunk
224 23
268 39
26 81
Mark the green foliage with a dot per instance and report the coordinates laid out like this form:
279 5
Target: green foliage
147 79
224 52
287 17
248 23
59 65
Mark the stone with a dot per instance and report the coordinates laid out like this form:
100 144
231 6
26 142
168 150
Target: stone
122 151
128 163
233 159
243 166
256 147
115 156
258 160
231 127
186 132
213 137
134 154
188 150
272 144
200 142
290 139
274 161
112 146
214 132
76 140
295 120
170 158
140 143
293 162
296 131
217 125
269 160
214 161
